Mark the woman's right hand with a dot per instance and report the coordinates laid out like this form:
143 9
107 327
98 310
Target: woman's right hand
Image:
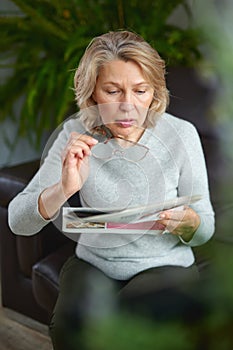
75 162
75 170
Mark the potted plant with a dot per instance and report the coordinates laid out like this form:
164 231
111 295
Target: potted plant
43 41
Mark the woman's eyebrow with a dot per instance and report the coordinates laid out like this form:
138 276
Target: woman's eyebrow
111 83
118 84
144 83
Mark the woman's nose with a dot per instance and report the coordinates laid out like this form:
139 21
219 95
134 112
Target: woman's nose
126 104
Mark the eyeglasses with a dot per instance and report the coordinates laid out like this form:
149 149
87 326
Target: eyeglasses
117 146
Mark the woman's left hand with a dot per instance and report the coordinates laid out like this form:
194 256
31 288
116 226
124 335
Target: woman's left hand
183 223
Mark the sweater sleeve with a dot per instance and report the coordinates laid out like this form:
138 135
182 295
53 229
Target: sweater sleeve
194 181
24 217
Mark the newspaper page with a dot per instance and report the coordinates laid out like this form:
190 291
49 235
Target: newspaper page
131 220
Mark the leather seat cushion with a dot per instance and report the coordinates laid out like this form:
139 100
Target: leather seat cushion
45 276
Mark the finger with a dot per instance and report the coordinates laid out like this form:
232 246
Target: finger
79 149
176 215
89 140
71 154
78 146
170 225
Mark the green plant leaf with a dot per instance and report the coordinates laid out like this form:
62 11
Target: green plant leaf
44 40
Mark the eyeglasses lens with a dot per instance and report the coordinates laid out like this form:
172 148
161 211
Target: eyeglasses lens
111 148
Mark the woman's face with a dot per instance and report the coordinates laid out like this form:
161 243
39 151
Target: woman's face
123 96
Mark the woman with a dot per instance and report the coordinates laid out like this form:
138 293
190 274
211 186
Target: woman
121 91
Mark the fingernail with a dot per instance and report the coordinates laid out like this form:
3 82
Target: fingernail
162 216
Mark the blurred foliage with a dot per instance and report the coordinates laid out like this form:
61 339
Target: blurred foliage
43 42
209 327
217 29
136 333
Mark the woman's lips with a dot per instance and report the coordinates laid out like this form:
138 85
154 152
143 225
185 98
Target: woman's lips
125 123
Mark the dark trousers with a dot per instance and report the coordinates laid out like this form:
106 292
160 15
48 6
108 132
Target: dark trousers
86 293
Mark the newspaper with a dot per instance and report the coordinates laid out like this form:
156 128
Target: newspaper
131 220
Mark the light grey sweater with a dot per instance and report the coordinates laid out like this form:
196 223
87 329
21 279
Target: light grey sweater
173 167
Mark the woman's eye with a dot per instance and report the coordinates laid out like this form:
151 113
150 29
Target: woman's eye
112 92
140 92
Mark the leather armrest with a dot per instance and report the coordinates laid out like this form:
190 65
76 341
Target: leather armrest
14 179
32 248
10 186
23 171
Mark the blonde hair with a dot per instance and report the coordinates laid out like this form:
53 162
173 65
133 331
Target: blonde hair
125 46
